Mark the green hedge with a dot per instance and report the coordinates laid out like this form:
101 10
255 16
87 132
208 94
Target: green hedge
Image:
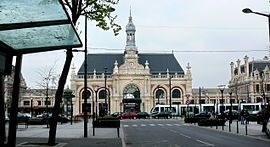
107 118
106 124
252 117
36 121
194 119
211 122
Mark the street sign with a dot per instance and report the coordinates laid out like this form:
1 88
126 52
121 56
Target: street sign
188 102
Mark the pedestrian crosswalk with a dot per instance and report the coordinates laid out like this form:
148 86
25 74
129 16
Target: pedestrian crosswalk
152 125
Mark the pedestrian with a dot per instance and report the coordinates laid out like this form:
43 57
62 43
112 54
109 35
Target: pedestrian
242 117
246 117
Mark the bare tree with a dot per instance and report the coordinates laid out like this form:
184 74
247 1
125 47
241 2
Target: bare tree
48 77
99 11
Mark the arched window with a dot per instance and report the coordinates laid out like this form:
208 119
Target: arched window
160 94
102 94
132 90
176 93
88 94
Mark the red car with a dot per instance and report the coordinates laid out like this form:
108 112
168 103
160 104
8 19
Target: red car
129 115
82 115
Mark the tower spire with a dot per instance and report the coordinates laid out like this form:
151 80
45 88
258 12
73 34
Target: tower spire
130 11
130 31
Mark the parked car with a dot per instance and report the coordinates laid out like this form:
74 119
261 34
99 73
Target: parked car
129 115
63 119
143 115
235 114
23 115
163 114
116 114
82 115
202 114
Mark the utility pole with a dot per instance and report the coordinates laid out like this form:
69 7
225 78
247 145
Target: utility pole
85 81
200 96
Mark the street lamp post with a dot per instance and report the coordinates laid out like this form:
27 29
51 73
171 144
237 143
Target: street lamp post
31 105
105 77
170 84
47 97
230 93
247 10
158 93
221 88
200 99
96 92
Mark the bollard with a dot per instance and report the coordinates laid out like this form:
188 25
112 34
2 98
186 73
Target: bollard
237 127
216 127
246 128
229 127
222 127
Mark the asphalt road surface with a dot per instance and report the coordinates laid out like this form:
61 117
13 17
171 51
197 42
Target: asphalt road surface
175 133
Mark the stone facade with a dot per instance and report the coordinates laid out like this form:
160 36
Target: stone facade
251 81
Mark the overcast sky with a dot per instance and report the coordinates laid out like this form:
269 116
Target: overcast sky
181 26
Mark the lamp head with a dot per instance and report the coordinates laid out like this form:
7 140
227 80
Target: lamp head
247 10
221 87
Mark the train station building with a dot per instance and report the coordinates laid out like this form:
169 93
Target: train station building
130 81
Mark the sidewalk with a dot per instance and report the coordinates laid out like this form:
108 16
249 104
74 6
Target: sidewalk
70 135
252 129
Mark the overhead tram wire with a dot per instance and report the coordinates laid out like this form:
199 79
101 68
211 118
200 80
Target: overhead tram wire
187 51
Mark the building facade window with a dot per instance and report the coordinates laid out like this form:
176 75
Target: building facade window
26 103
267 87
202 101
102 94
257 88
39 103
49 103
159 94
176 93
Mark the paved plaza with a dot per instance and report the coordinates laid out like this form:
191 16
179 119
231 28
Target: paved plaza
72 135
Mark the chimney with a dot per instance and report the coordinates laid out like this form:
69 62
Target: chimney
232 70
246 66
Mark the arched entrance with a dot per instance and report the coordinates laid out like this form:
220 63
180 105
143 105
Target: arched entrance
131 99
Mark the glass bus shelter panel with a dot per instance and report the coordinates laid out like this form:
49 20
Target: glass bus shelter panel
23 11
35 39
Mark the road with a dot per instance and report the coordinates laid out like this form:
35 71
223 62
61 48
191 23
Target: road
175 133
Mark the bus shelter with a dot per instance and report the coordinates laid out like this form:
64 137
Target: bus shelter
30 26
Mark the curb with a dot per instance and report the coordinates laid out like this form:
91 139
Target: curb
122 136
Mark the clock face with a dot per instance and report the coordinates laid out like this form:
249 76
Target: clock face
131 63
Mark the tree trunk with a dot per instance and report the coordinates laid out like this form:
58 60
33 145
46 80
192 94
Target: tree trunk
58 98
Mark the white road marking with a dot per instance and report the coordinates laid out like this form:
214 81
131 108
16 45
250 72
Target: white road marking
177 124
169 124
209 144
135 125
160 124
180 134
152 124
125 126
143 125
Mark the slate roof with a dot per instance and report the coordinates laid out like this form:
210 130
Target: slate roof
158 63
253 65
